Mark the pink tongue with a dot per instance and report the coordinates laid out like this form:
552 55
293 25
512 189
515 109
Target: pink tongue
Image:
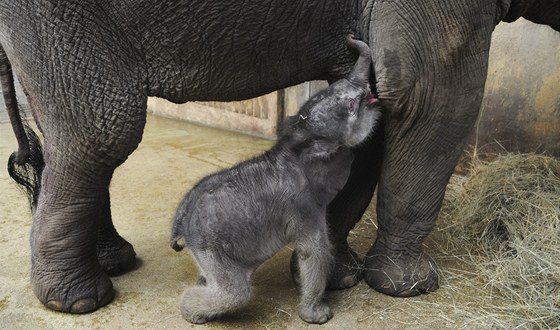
371 99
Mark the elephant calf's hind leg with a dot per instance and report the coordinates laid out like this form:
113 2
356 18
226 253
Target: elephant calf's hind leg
225 288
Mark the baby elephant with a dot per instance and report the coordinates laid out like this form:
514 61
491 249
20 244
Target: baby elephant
234 220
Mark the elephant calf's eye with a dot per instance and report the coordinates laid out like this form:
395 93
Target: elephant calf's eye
352 104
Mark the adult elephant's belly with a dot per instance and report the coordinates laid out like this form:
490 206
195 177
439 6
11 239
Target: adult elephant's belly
200 53
238 76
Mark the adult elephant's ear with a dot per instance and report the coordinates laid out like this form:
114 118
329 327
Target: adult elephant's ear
360 72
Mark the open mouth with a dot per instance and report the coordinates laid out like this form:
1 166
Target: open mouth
372 99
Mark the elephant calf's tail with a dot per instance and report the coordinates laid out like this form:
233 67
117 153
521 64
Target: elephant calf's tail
182 218
26 165
177 230
176 236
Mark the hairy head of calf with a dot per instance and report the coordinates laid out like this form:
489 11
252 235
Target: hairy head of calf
344 114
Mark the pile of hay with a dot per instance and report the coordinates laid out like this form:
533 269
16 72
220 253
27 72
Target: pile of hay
506 214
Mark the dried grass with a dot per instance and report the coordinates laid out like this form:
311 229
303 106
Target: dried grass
502 222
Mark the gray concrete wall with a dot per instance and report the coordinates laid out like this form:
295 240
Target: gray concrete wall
521 106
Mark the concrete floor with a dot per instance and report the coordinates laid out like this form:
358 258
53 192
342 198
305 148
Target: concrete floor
145 192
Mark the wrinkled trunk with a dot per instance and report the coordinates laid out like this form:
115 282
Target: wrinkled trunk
360 71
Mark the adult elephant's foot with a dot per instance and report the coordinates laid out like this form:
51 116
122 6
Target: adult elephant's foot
115 255
71 286
347 269
345 273
399 276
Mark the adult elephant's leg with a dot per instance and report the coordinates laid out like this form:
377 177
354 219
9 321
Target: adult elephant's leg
114 253
91 107
66 274
430 62
347 209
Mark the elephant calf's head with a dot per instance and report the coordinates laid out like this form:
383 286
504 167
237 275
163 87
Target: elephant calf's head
346 112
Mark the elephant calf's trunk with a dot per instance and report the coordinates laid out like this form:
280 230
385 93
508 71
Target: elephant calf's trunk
360 72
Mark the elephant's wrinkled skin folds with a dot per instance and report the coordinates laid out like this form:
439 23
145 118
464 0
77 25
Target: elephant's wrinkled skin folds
87 68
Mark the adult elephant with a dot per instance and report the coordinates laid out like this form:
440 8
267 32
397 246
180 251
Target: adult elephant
88 67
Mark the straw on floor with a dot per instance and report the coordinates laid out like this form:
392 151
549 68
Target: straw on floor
503 222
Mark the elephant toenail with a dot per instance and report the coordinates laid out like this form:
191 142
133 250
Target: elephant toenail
83 306
349 281
107 298
54 305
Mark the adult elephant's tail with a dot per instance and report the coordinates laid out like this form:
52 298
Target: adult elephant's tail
25 165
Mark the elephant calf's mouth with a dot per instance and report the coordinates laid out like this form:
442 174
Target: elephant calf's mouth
372 99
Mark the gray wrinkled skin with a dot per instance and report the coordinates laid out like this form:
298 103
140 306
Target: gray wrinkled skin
234 220
87 68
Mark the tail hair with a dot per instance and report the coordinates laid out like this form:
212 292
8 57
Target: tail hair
28 173
26 165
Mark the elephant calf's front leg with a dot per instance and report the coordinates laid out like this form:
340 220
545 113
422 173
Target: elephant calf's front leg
314 261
